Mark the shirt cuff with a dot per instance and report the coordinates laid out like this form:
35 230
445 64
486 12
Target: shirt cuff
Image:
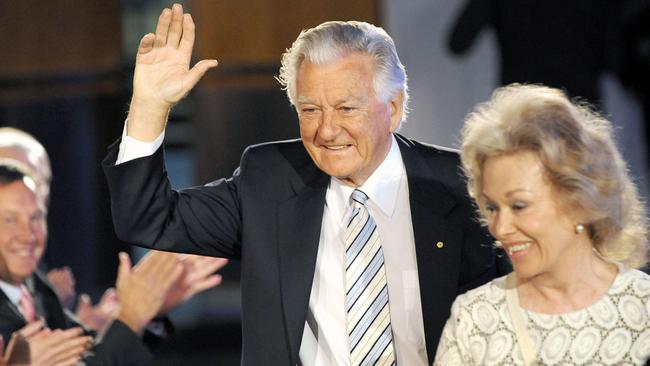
131 148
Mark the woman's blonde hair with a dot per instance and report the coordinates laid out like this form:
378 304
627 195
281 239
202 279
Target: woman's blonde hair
577 149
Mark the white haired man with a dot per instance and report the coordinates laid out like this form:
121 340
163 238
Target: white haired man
313 291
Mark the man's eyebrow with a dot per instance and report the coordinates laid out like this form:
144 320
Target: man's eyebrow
8 213
304 100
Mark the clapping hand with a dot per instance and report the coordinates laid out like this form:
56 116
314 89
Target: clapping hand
63 282
100 316
198 275
143 289
36 345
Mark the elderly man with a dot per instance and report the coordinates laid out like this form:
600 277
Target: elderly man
354 240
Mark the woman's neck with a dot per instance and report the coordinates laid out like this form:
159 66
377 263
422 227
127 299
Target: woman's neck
581 280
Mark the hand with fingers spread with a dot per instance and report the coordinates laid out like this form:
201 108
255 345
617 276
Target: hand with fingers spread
162 74
198 275
143 289
100 316
40 346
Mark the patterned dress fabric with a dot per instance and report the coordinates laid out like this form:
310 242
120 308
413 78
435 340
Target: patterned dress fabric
615 330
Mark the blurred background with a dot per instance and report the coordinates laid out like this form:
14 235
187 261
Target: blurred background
66 69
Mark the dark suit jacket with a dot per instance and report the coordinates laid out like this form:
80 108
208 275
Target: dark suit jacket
269 215
119 345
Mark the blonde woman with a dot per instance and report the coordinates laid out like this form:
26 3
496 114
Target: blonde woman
554 192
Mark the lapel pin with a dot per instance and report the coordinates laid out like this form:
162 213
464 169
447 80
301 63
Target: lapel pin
440 244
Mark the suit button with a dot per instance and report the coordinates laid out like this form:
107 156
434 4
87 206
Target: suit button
440 245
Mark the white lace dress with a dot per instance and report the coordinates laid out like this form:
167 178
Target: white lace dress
613 331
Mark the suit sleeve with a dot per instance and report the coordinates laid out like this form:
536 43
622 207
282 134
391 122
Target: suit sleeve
203 220
119 346
481 261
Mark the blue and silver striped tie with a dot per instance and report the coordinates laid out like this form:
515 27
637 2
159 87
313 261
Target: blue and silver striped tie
370 334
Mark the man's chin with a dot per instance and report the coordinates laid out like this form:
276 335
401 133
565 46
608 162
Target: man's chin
25 271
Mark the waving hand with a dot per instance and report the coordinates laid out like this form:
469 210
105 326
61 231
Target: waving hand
162 73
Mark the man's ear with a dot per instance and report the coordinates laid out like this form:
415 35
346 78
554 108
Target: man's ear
396 106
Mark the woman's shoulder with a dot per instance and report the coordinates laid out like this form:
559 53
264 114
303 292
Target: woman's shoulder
492 293
632 282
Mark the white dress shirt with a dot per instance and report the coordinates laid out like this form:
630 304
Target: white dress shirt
325 338
13 292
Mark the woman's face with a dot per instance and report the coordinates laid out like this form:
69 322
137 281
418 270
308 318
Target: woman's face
525 214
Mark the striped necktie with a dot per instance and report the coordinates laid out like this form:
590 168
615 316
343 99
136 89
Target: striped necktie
370 333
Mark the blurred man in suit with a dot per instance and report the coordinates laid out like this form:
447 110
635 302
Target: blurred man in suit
26 295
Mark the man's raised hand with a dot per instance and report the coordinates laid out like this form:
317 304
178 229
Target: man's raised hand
162 74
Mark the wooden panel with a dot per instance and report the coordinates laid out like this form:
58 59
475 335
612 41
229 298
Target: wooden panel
258 31
58 37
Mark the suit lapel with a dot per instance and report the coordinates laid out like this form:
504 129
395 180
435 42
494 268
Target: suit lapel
48 303
8 309
10 317
436 255
299 224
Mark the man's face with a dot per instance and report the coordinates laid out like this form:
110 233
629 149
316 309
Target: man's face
22 232
344 127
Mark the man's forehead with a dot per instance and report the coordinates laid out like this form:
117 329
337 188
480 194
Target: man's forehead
18 191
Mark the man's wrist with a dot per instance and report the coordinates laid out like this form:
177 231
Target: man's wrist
147 120
136 324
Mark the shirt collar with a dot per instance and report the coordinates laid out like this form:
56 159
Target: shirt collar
13 292
381 187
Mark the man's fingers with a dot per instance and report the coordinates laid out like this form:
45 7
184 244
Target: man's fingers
200 267
176 27
109 296
187 41
196 73
161 269
66 346
42 334
72 361
85 304
162 29
124 268
154 262
168 271
31 328
202 285
146 43
59 335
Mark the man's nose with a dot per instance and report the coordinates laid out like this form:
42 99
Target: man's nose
27 232
329 126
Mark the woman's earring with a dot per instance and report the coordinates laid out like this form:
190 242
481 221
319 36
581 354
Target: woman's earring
498 244
580 229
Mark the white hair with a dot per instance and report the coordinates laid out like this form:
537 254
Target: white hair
334 40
